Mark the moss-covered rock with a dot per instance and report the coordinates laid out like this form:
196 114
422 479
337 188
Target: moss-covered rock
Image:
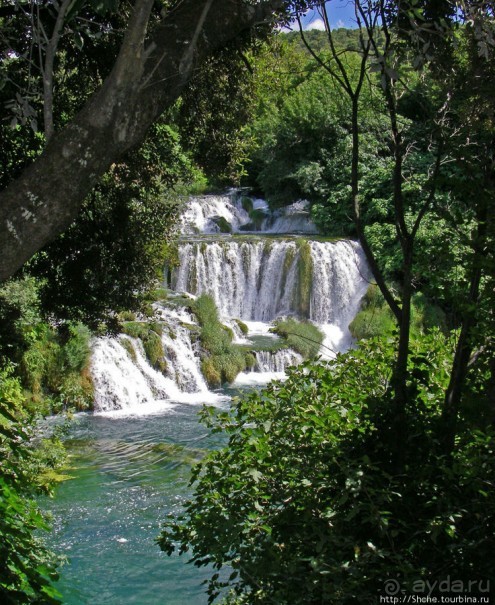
302 336
247 204
211 373
150 336
257 217
222 360
223 224
242 326
129 347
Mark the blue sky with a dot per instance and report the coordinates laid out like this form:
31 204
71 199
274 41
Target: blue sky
341 14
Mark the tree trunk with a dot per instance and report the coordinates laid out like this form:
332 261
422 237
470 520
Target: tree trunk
464 347
145 80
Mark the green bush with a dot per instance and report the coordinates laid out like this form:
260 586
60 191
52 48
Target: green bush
76 350
205 310
215 338
135 329
75 392
27 568
210 371
222 360
302 336
304 506
375 318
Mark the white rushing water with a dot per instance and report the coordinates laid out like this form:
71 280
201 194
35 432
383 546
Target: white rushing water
205 214
260 280
276 361
254 278
291 219
202 213
245 278
125 382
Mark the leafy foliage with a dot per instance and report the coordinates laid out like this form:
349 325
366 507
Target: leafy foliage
114 252
375 318
303 505
52 363
27 568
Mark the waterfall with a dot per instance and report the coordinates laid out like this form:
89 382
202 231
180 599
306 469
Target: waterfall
224 213
202 214
253 279
276 361
118 382
124 380
249 280
291 219
260 280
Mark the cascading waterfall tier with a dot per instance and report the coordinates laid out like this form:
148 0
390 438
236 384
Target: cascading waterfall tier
264 279
276 361
221 213
124 380
204 214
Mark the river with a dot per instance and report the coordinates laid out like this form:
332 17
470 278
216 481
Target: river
128 473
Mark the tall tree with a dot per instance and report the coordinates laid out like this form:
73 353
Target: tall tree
394 41
153 65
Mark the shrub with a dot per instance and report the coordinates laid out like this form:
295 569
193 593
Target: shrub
372 322
304 506
222 360
77 350
75 392
375 318
211 373
41 365
27 568
56 373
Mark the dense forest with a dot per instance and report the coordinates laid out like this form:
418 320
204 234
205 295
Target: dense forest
375 466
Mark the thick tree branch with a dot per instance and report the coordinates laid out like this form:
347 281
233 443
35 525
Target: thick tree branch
47 197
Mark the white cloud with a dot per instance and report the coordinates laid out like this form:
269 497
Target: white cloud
316 24
339 24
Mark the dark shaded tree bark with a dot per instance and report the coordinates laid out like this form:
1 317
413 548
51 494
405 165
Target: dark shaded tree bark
148 76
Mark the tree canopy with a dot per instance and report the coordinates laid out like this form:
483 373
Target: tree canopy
148 72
